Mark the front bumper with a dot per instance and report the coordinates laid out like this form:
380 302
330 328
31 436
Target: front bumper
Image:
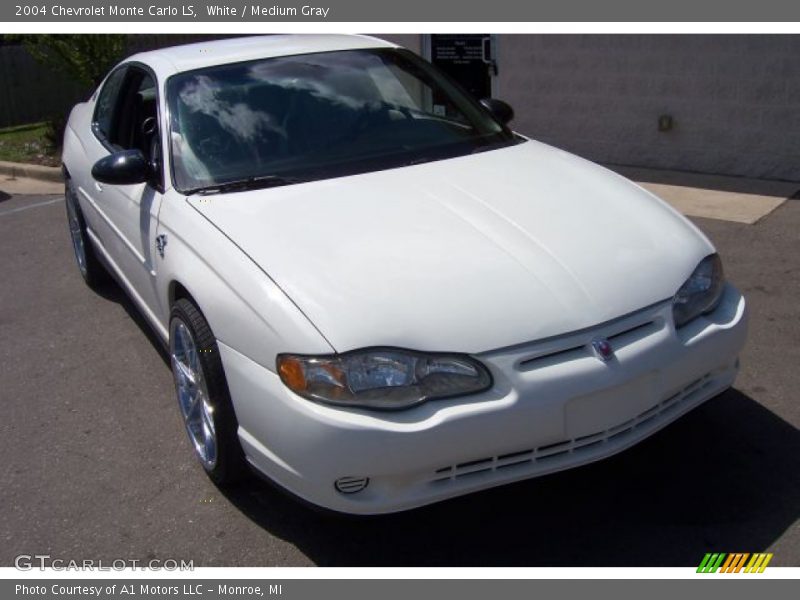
553 406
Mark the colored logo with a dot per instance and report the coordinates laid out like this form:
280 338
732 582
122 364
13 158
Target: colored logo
602 349
734 563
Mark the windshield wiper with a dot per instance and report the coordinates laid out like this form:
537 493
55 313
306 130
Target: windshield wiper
255 182
486 146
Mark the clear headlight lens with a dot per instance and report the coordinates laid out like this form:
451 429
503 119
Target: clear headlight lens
387 379
701 292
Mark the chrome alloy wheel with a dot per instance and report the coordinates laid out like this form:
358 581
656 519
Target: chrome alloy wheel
190 386
76 233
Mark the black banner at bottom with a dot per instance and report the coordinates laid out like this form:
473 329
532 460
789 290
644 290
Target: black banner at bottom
727 587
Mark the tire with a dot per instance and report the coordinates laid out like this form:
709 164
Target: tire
91 269
203 397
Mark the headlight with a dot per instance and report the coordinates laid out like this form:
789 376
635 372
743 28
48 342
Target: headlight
386 379
701 292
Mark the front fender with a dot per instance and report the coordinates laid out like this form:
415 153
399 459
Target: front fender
246 310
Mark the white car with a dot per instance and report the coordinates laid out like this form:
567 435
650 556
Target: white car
372 290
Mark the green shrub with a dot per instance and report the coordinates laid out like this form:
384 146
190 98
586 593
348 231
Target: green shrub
85 57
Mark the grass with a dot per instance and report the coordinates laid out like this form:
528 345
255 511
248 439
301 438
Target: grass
27 144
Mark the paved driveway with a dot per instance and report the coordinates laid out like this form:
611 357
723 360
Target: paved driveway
97 464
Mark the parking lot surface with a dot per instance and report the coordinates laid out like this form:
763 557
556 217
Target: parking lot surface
98 465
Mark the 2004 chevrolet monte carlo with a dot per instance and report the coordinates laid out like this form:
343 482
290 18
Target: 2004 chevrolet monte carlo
372 290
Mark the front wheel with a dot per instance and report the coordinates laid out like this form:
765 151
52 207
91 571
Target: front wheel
203 395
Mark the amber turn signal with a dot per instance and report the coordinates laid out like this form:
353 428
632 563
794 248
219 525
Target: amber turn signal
292 374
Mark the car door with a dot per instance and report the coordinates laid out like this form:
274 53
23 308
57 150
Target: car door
105 104
127 117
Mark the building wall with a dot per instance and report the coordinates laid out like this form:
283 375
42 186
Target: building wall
735 100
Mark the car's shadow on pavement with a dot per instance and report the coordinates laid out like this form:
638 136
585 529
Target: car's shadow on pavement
110 290
724 477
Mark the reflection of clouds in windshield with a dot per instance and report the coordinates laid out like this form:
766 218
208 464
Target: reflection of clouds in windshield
310 78
202 95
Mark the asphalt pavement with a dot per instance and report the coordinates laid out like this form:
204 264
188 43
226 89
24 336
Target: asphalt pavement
98 465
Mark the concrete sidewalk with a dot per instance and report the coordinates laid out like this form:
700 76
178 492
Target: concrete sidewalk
734 199
713 204
21 178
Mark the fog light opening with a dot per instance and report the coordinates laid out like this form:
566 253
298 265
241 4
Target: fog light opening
351 485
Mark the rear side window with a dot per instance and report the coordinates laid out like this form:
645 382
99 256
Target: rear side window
107 103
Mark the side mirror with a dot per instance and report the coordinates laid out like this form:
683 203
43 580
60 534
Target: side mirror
502 111
126 167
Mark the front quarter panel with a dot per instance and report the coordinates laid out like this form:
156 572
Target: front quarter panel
73 148
74 155
244 307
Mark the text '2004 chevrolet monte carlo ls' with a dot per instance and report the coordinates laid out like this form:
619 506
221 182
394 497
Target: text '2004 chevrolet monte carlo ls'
375 293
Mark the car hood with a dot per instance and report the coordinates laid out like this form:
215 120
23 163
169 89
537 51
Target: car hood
466 254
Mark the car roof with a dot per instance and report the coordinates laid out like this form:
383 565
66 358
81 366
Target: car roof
175 59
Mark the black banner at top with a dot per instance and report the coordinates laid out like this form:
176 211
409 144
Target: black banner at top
41 11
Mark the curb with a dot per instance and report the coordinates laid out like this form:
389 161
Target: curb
12 169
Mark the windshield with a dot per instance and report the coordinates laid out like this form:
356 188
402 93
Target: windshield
315 116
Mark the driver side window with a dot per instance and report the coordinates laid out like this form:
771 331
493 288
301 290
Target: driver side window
107 102
126 115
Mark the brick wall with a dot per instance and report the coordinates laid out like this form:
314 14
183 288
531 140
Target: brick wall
735 100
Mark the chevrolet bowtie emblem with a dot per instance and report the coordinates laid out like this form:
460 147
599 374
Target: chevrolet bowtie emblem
602 349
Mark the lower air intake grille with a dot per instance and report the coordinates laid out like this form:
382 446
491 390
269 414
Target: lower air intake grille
543 454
